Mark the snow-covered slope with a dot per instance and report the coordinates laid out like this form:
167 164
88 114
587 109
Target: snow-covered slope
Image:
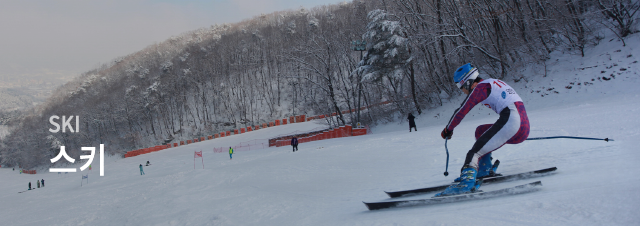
326 181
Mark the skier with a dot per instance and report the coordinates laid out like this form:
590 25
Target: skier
412 123
511 128
38 182
148 163
43 183
141 171
230 153
294 143
29 185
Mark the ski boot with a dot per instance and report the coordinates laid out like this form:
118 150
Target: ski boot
467 183
491 171
486 169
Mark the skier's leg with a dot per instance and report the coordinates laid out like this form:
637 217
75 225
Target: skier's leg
481 129
523 132
497 135
493 138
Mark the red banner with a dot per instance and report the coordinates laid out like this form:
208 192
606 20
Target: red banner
198 154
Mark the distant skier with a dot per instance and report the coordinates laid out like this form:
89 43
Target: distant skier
412 123
29 185
141 171
511 128
43 183
294 143
230 153
148 163
38 182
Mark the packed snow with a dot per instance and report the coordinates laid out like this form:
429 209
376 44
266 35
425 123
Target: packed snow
325 182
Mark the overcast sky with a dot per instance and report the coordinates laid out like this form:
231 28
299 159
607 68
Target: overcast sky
67 37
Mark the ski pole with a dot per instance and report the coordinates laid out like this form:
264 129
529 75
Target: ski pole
568 137
447 149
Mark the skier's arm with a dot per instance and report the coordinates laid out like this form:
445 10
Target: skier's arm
479 94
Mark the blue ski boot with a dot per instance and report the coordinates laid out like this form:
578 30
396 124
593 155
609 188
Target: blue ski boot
467 183
485 166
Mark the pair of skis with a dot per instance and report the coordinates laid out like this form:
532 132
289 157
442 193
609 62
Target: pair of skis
468 196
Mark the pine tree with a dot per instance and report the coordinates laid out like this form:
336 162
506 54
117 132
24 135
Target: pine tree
387 48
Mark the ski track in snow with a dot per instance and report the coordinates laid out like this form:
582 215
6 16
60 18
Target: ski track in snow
326 181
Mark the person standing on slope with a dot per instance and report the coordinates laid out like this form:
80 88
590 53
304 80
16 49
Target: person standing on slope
230 153
412 122
294 143
141 171
511 128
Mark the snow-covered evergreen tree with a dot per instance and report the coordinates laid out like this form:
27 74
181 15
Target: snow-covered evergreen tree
387 48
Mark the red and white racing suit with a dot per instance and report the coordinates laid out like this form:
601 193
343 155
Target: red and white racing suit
511 128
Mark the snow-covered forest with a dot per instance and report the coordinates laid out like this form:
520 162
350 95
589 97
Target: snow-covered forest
303 62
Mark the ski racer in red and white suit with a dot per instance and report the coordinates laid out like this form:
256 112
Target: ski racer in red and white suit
511 128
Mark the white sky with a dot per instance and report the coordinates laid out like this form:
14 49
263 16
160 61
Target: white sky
57 38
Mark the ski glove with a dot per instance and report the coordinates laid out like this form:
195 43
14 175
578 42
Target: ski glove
446 134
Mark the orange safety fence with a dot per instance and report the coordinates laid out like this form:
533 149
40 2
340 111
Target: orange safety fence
343 131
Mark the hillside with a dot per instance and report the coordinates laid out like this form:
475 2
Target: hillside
326 181
322 60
